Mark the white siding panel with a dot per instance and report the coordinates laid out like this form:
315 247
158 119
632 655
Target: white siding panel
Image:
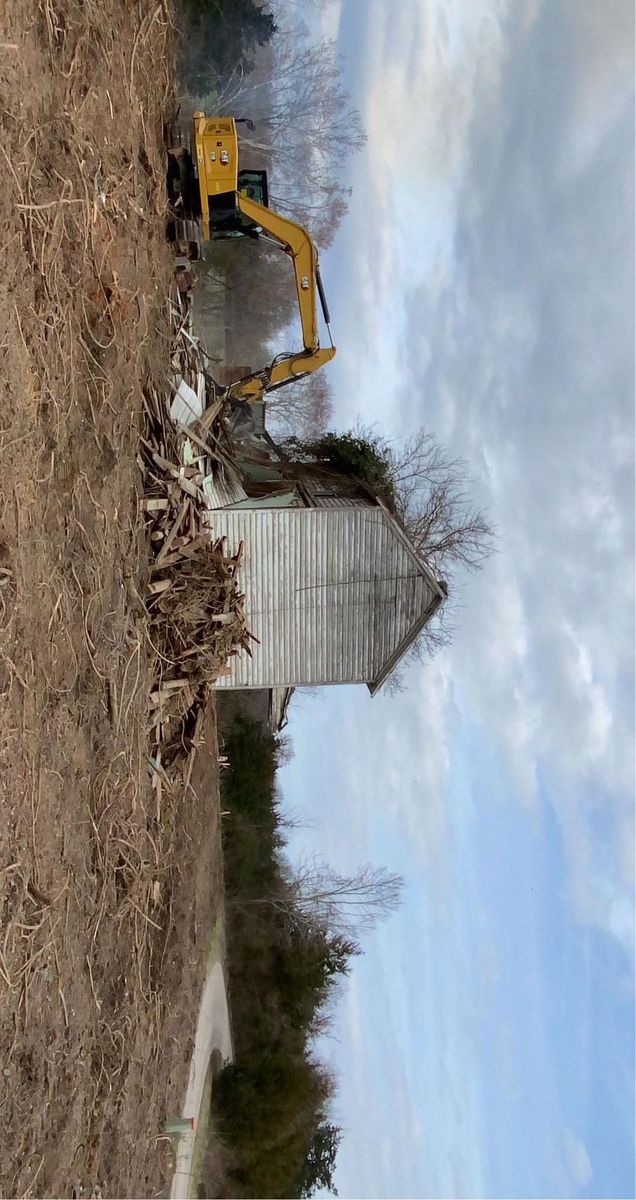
330 593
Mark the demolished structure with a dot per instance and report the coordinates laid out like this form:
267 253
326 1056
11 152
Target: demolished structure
335 592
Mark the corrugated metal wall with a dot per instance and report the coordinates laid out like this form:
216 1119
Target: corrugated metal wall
330 593
221 490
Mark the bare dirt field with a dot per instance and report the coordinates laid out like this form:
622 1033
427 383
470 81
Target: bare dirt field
106 900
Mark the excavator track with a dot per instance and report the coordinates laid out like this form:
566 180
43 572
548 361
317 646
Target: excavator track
184 225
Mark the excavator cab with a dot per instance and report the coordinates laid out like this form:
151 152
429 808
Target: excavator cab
225 216
219 178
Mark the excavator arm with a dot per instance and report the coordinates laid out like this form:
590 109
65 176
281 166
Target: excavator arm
211 195
296 242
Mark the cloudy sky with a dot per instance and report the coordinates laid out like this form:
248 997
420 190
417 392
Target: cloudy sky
482 286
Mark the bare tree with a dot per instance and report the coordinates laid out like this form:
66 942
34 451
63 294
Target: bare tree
432 499
427 488
436 634
321 210
284 749
305 127
304 85
304 408
339 905
316 899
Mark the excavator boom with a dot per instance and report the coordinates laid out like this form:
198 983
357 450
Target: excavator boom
223 202
296 242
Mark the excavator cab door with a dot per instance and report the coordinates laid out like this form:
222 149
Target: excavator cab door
226 220
253 184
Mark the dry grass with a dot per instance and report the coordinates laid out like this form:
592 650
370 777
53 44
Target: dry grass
104 900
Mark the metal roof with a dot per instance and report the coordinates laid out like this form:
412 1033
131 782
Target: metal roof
222 489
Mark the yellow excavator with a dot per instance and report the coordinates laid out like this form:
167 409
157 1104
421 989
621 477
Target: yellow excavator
210 198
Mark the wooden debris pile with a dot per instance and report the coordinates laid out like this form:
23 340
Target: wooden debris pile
196 611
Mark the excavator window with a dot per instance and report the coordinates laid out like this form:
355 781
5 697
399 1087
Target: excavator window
253 184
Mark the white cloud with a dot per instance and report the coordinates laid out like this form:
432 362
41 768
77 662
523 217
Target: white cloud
600 900
330 15
580 736
418 115
532 380
603 66
491 657
404 745
577 1161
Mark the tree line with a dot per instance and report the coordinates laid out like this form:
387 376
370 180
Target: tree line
291 936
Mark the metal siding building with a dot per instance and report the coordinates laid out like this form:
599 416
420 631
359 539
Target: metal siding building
334 595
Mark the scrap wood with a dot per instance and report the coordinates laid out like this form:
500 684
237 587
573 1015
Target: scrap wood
193 437
197 613
167 691
211 413
169 538
188 548
155 504
189 487
234 561
159 586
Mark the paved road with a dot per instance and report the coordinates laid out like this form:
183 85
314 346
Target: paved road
213 1033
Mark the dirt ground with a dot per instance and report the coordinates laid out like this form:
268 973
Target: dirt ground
105 902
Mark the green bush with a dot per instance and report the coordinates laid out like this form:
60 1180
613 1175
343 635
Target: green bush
361 455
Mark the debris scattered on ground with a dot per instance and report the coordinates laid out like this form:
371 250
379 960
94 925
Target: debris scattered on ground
196 611
105 912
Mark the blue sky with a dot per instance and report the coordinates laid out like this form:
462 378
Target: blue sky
482 285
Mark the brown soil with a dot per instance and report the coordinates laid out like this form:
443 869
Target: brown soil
105 902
